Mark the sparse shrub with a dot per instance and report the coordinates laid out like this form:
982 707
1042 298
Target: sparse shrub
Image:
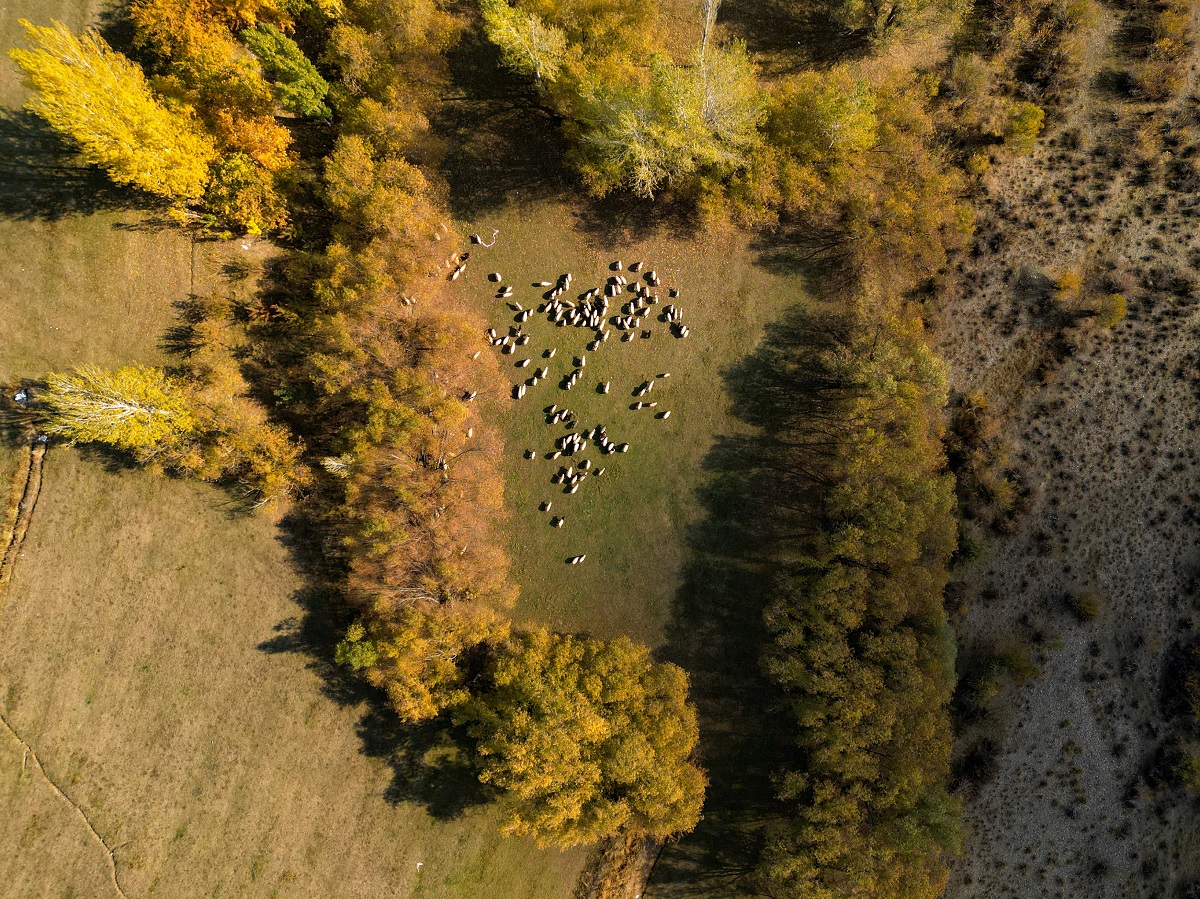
1110 310
978 163
1086 604
1184 765
1025 123
1069 282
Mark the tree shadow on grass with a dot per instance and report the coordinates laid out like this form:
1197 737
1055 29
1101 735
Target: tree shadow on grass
43 178
762 502
503 144
790 37
429 762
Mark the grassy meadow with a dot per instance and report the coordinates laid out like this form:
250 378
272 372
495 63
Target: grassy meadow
631 521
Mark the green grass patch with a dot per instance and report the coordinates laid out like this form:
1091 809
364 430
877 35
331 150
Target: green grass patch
632 522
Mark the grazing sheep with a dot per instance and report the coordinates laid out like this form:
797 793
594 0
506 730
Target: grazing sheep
522 363
585 464
545 506
666 414
635 266
673 292
523 339
508 349
622 447
549 354
575 560
574 488
504 292
475 355
598 472
665 374
530 454
603 388
557 521
646 335
542 284
470 395
553 455
551 409
627 336
491 333
494 277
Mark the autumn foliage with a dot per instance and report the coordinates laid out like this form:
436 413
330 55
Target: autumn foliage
861 644
586 739
100 100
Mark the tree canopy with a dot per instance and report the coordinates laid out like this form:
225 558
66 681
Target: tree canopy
99 99
135 408
587 738
300 87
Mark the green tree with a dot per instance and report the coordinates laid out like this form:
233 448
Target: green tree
98 98
587 738
527 44
299 85
136 409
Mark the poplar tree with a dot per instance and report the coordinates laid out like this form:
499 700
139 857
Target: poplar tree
102 101
527 44
135 409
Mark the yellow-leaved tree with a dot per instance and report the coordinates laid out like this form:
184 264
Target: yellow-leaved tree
102 101
587 739
136 409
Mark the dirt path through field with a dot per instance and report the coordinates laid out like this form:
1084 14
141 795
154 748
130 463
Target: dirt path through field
23 494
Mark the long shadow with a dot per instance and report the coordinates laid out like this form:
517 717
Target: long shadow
429 762
792 36
761 505
502 143
43 178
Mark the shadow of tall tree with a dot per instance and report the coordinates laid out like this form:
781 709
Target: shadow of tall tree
503 144
761 502
43 177
789 37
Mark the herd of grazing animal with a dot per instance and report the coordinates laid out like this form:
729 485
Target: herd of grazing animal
602 310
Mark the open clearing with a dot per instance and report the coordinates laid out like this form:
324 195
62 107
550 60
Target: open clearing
631 522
